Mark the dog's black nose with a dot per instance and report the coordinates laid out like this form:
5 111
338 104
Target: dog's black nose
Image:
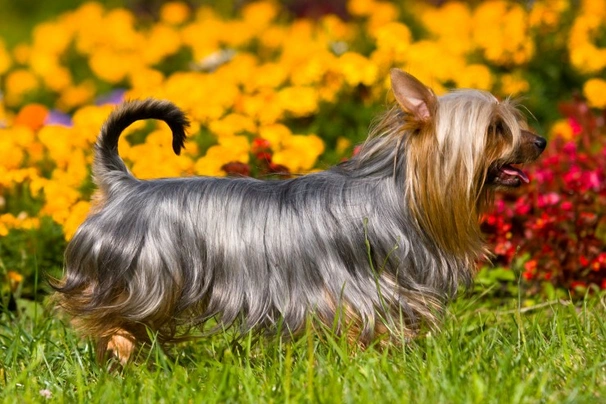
540 142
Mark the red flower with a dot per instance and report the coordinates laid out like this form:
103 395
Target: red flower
559 219
575 125
566 205
237 169
260 144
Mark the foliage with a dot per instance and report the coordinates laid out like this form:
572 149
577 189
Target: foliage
271 93
558 221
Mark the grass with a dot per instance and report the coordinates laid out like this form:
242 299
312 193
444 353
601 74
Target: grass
553 353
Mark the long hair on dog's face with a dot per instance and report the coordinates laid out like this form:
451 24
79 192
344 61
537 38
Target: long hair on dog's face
376 245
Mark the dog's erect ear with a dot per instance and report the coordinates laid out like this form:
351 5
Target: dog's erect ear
412 95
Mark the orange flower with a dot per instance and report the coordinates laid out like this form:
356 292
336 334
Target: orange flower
14 276
14 279
32 116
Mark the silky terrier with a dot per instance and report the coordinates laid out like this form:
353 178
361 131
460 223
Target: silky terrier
375 246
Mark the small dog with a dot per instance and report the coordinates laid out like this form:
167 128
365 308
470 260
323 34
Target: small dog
376 245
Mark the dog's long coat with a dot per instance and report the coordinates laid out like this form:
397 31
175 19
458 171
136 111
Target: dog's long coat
376 244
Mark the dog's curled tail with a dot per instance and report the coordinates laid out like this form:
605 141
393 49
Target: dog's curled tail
107 160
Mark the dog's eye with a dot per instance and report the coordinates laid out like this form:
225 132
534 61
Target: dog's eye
497 128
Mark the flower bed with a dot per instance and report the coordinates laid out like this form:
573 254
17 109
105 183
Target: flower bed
270 93
557 224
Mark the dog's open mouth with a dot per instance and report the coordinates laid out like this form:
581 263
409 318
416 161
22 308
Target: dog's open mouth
507 175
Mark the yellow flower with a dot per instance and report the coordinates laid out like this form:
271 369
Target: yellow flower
240 69
562 129
22 53
268 75
587 58
113 66
595 92
312 69
382 13
235 33
357 69
59 198
10 177
299 152
594 7
162 41
11 156
174 12
156 159
546 14
87 122
299 101
57 78
421 62
77 95
57 140
392 40
146 80
204 96
585 55
393 36
361 7
5 59
202 37
331 84
237 146
276 134
304 44
86 20
500 30
474 76
451 23
52 38
74 173
120 32
513 84
263 106
336 29
259 14
229 149
343 144
273 37
77 215
36 184
18 83
232 124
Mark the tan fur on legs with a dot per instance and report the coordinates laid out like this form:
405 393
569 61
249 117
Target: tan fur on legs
121 345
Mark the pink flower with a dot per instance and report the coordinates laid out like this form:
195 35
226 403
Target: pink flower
575 125
549 199
570 148
591 180
566 205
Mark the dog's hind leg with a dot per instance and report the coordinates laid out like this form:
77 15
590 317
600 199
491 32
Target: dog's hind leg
119 345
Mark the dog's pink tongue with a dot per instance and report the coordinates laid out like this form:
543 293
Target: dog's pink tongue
511 170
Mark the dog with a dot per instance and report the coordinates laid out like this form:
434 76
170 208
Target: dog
373 247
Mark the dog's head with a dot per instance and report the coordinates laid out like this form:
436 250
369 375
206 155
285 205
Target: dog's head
459 147
468 136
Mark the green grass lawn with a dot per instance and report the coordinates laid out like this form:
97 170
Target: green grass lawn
551 353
